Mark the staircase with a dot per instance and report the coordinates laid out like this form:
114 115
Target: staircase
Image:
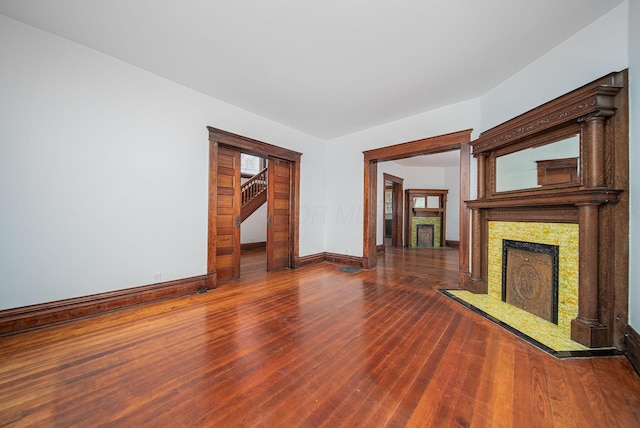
254 194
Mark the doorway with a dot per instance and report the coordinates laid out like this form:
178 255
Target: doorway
453 141
223 255
393 213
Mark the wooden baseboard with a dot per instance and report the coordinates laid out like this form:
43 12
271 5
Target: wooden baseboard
252 246
32 317
454 244
311 259
632 345
343 259
380 249
26 318
340 259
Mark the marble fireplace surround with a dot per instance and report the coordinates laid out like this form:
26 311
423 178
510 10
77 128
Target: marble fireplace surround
594 208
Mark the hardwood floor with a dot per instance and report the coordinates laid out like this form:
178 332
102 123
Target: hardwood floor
308 347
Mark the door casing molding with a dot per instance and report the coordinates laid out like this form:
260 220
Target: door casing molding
397 195
219 137
441 143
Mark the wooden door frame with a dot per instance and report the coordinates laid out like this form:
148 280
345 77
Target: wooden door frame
441 143
218 137
397 193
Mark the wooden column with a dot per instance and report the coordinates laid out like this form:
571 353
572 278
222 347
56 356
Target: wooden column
595 142
443 220
465 220
586 328
369 221
477 284
482 184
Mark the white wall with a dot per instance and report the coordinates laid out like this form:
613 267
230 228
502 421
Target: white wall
345 187
452 182
104 171
254 227
596 50
634 153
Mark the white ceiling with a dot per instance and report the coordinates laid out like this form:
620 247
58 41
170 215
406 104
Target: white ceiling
324 67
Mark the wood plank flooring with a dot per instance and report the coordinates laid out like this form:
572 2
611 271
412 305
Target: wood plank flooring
310 347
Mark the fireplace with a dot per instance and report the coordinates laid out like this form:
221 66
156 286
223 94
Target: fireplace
530 277
590 124
424 235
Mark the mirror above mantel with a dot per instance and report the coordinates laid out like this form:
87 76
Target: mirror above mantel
553 164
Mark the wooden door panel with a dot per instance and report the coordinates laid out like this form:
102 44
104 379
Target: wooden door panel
228 206
225 181
224 241
279 224
282 187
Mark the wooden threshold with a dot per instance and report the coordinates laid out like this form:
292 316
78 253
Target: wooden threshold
253 246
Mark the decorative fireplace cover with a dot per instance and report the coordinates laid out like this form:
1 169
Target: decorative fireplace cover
530 277
425 235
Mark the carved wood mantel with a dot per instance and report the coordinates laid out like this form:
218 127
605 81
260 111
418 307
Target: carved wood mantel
597 201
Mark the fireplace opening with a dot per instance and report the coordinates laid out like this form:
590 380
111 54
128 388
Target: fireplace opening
424 235
530 277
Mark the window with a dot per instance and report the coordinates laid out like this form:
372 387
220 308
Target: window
251 165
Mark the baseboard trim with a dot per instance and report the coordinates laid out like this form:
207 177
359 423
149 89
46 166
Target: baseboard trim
454 244
252 246
26 318
311 259
340 259
380 249
343 259
632 345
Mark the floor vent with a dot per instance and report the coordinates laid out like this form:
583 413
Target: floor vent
350 269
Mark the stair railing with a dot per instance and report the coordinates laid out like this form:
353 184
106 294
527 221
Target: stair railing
254 186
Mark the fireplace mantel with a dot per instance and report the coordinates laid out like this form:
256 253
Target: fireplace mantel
595 119
557 199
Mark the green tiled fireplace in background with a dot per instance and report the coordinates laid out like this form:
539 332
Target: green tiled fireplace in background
435 221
